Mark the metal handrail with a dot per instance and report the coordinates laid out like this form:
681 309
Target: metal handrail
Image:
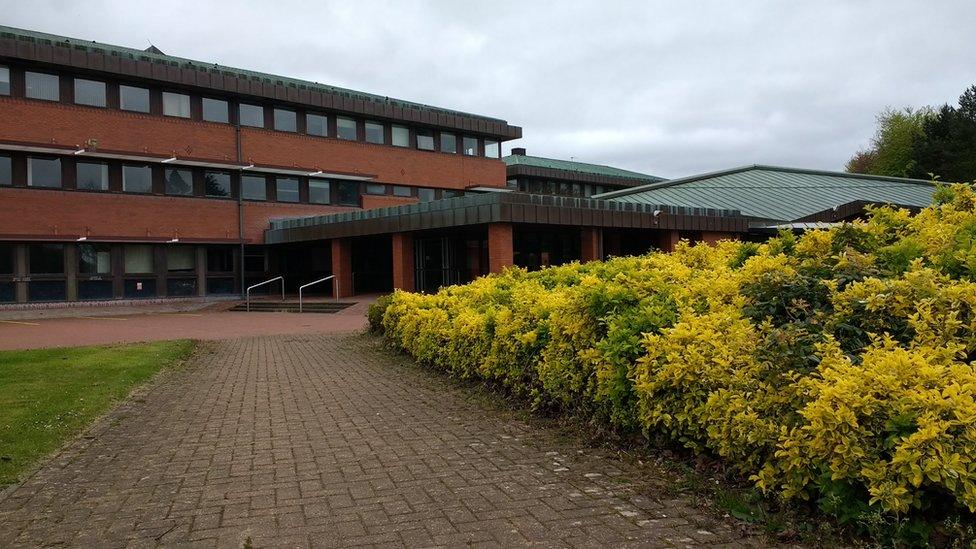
249 288
302 289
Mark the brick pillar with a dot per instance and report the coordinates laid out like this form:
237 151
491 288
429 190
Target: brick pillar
71 271
591 244
500 247
342 266
712 238
201 271
669 239
20 273
403 258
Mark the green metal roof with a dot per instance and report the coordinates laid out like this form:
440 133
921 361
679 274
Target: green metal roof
144 55
777 193
581 167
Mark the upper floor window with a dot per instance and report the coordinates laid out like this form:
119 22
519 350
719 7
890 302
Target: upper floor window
251 115
401 136
346 128
492 149
176 104
136 179
89 92
318 191
316 124
425 140
4 80
348 193
133 99
43 172
254 187
448 142
6 171
179 181
40 85
425 195
400 190
285 120
374 133
217 184
216 110
470 146
287 189
91 176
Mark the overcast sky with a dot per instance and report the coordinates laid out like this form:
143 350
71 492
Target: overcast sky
666 88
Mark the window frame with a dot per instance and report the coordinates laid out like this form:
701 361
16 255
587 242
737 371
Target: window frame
57 87
166 181
230 183
325 124
104 175
498 148
464 145
98 249
7 181
204 101
298 189
186 103
327 188
149 169
122 89
425 134
382 129
339 128
104 99
30 172
284 111
454 141
264 187
394 130
4 69
240 115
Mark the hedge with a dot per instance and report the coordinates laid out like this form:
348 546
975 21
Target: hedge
835 366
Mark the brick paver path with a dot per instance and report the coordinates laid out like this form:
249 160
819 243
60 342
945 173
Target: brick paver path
290 441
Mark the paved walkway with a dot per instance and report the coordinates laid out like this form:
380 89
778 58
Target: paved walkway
293 441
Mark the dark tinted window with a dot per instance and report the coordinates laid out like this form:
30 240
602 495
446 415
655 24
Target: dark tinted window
181 259
43 172
470 145
316 124
287 189
89 92
6 259
94 259
346 128
40 85
348 193
215 110
252 115
254 187
4 80
137 179
285 120
220 260
217 184
92 176
139 259
448 143
46 258
425 195
318 191
134 99
400 190
374 133
425 140
178 181
375 188
6 171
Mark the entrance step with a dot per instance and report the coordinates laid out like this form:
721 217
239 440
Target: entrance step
292 307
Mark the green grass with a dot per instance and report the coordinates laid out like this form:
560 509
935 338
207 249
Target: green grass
50 395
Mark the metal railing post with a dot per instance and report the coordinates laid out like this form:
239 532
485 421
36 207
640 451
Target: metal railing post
301 289
247 293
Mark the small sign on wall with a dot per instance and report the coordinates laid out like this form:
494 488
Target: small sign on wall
138 286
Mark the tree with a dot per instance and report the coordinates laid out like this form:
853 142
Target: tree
893 146
948 146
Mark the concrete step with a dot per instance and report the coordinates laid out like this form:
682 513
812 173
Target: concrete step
291 307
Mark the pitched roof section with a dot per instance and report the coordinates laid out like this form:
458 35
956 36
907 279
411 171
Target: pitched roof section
777 193
519 164
20 43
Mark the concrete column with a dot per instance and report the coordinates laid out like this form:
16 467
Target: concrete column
669 239
591 244
403 262
20 273
712 238
71 271
201 271
500 247
342 266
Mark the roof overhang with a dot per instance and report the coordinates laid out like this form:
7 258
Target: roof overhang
523 170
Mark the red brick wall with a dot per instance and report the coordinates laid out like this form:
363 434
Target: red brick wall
500 247
403 262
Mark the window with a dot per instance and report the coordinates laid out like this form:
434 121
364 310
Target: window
254 187
448 143
348 193
6 171
492 150
46 258
400 190
220 259
43 172
4 80
374 133
133 99
136 179
285 120
94 259
316 124
89 92
176 104
139 259
447 193
6 259
42 86
92 176
375 188
470 146
251 115
346 128
401 136
181 259
425 195
318 191
286 189
216 110
217 184
254 259
425 140
179 182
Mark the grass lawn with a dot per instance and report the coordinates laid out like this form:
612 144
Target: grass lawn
50 395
